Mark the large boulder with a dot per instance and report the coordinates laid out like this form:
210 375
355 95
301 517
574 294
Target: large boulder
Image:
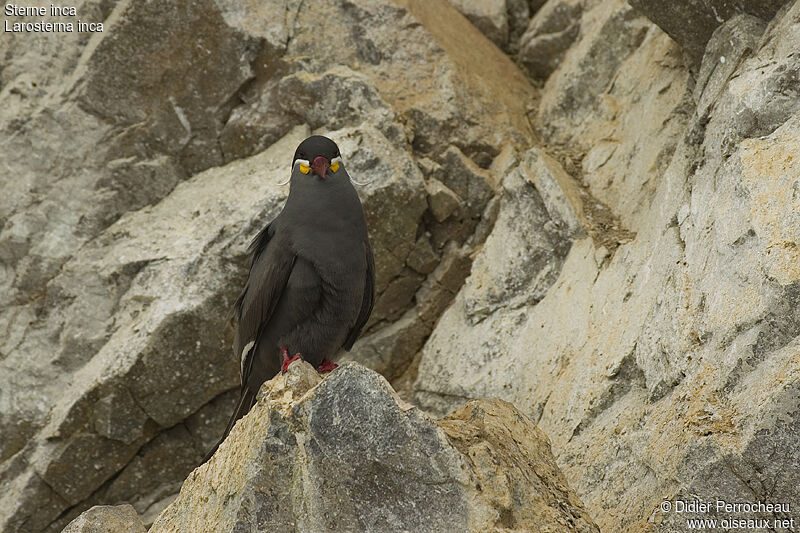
344 453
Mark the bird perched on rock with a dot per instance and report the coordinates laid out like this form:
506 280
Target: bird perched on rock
312 276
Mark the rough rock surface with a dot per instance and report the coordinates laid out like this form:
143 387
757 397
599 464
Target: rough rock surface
490 17
611 246
664 366
344 453
692 22
502 21
134 181
548 36
107 519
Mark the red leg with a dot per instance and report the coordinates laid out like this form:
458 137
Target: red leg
286 359
327 366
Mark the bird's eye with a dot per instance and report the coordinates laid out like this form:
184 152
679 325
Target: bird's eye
335 163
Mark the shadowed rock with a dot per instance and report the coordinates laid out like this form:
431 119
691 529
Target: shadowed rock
691 23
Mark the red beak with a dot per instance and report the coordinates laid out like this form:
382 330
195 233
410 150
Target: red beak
320 166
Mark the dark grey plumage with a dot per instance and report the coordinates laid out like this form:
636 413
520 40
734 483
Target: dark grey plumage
312 276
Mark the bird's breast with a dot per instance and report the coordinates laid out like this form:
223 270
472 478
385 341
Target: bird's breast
328 229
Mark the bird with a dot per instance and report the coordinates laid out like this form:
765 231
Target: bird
311 286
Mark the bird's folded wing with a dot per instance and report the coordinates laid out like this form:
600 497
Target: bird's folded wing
368 299
269 273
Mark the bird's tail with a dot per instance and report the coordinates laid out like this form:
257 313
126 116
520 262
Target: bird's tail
247 399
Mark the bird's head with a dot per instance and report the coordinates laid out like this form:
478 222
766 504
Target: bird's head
318 155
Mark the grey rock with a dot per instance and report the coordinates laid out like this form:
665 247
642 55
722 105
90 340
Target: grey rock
631 286
397 296
90 140
521 258
393 182
168 389
473 187
548 36
598 144
156 472
117 417
692 23
392 349
731 43
102 457
334 99
611 32
535 5
486 223
443 284
558 191
155 510
107 519
501 21
489 16
442 201
422 258
519 14
345 453
470 182
177 105
207 423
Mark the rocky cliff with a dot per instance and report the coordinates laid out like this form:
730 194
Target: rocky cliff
584 208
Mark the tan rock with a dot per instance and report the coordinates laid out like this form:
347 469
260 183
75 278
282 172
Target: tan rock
492 432
346 454
559 191
423 258
663 368
442 201
107 519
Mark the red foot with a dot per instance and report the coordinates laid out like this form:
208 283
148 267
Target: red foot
327 366
288 360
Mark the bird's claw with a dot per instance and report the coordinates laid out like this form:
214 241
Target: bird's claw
288 360
327 366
